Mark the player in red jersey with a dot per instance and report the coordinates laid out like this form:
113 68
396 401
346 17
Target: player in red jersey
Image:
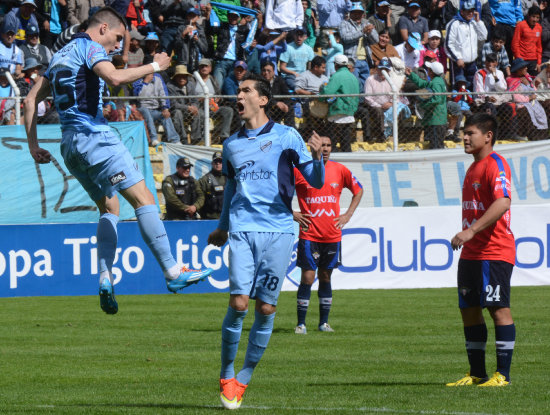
488 254
321 232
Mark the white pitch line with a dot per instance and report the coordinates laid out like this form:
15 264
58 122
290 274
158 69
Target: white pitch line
295 408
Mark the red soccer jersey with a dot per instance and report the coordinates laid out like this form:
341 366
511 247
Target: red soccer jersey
486 181
324 204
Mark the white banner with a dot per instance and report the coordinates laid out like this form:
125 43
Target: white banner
430 177
410 248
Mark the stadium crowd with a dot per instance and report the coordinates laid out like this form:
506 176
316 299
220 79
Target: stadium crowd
312 52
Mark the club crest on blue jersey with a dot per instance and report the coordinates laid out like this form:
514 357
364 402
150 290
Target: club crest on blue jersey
266 146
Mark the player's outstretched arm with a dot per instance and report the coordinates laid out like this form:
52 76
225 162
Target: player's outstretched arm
114 77
38 93
498 208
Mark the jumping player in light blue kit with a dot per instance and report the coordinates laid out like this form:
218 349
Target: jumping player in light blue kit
258 161
93 154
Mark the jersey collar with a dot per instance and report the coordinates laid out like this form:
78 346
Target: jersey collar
267 128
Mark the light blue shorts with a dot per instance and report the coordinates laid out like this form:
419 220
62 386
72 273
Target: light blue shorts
100 162
258 262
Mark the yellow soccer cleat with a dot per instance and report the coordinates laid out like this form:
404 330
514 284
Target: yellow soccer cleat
467 381
228 393
496 380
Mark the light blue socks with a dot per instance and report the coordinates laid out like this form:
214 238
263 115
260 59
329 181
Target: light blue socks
231 335
257 343
107 238
154 234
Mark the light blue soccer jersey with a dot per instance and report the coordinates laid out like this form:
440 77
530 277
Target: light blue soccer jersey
77 90
259 165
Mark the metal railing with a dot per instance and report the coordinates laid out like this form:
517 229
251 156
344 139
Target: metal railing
522 116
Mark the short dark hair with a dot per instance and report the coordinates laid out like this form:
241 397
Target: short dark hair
491 57
498 34
267 63
534 11
107 15
484 122
260 85
318 61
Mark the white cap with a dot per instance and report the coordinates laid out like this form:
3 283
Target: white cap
341 60
436 67
434 33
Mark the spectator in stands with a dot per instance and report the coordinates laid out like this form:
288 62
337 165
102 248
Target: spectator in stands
545 23
135 53
152 43
384 48
11 56
78 11
180 192
173 17
222 13
67 34
335 48
311 23
221 114
32 49
232 82
52 18
398 9
190 41
462 37
378 104
434 45
272 49
110 112
435 14
530 119
211 187
527 41
409 51
507 14
383 19
434 107
413 22
542 82
357 33
341 121
231 36
332 12
134 14
184 111
23 17
31 71
295 59
310 83
487 80
284 15
496 46
460 105
7 106
280 109
155 109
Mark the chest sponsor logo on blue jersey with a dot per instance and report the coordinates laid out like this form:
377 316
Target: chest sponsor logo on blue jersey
247 173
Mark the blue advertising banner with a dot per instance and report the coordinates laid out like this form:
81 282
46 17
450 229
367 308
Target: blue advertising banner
48 193
51 260
381 248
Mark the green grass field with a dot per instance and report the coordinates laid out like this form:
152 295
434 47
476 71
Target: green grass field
392 352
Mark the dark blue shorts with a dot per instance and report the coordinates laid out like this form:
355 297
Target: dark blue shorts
313 255
484 283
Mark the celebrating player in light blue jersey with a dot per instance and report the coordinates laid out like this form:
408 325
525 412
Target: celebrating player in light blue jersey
258 161
93 154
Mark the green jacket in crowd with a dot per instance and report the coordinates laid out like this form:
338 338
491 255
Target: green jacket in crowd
436 106
342 82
